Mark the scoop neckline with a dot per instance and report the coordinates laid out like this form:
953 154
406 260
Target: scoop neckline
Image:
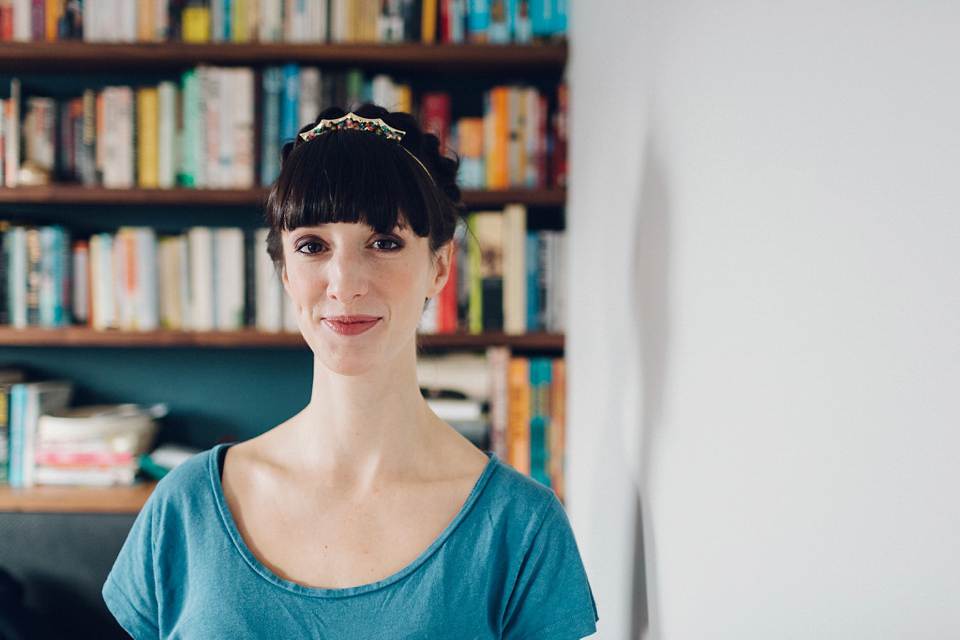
227 521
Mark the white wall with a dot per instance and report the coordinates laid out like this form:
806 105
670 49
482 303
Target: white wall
764 338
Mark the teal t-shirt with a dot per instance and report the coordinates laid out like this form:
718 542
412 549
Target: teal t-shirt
506 567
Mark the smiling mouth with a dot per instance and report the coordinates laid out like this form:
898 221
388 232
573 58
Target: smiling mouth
350 325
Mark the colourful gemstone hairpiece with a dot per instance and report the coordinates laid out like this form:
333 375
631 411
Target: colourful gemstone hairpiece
357 123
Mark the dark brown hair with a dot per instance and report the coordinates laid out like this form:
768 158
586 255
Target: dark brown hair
357 176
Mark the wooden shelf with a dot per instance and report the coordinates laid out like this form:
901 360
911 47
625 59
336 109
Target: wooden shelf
68 55
75 499
60 194
79 336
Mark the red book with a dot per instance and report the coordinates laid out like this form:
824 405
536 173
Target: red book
436 116
6 20
558 160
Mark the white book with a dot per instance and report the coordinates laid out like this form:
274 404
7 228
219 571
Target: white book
124 277
161 20
102 299
514 269
16 246
243 127
428 319
168 149
147 302
294 21
271 21
22 15
268 288
80 295
118 138
89 13
339 26
201 241
384 91
183 272
229 278
126 20
216 122
318 12
308 98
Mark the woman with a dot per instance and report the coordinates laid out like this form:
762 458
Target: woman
365 515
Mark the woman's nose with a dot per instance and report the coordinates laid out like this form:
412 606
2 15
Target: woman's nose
347 278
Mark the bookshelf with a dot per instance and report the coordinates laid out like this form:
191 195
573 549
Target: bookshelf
485 64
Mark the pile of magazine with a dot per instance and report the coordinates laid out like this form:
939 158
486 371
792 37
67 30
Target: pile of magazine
96 445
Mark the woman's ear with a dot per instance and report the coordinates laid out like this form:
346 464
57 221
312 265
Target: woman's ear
442 262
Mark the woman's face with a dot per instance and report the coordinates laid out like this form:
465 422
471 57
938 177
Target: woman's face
359 294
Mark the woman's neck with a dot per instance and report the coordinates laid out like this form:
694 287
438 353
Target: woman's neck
367 425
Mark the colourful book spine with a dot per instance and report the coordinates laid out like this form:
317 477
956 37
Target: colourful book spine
540 419
191 141
496 137
195 19
11 139
270 125
498 361
289 125
428 26
518 414
514 269
148 137
558 423
18 401
532 263
478 20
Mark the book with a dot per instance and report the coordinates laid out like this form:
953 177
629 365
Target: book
436 116
498 359
28 401
496 129
11 138
486 299
201 256
228 279
148 137
8 377
270 132
478 20
269 289
196 21
518 414
558 417
191 173
514 269
540 410
168 148
428 23
80 281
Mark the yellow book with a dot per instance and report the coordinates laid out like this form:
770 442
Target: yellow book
148 135
196 24
428 25
52 13
239 27
518 414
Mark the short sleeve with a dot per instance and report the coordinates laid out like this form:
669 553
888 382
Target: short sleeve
130 589
552 597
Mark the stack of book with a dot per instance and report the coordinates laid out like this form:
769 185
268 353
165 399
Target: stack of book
93 446
527 414
496 21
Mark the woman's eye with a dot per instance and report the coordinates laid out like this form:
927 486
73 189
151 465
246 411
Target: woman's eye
387 244
309 247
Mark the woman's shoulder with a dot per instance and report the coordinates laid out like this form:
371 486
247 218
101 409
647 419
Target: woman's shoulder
184 482
517 492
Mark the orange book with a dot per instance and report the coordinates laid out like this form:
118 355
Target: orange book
496 135
556 437
518 414
52 14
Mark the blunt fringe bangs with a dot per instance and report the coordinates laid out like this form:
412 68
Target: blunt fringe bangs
355 176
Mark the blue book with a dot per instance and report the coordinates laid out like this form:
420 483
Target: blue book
478 20
18 399
540 378
289 116
541 18
270 130
500 28
560 19
532 259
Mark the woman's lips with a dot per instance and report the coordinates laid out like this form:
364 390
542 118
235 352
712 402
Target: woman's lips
350 325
